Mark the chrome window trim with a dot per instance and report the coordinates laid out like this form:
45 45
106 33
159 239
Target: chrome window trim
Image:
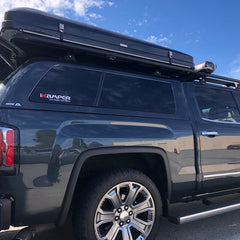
215 121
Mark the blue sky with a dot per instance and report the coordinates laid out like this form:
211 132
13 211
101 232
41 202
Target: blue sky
207 30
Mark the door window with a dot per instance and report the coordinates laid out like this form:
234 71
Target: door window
216 104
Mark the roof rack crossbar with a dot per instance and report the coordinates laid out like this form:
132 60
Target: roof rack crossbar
223 78
222 82
217 79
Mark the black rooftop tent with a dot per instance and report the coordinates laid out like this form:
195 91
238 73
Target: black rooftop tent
29 33
25 26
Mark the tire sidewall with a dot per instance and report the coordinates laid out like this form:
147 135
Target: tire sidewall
97 189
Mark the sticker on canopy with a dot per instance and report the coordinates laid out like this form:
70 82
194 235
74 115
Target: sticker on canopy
55 97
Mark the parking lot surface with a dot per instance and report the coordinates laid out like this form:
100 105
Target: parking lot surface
222 227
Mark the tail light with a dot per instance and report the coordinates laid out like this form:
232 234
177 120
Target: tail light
10 147
2 147
8 153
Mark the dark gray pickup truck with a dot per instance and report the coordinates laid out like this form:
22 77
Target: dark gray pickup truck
109 130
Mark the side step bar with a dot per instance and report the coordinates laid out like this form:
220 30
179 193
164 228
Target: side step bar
208 211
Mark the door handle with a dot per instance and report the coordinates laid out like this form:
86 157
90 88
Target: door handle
210 133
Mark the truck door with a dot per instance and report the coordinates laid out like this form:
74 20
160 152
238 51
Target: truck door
218 123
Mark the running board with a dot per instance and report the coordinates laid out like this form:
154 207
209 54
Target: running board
208 211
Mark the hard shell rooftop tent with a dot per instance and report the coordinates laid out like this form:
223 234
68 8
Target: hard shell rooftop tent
28 33
43 31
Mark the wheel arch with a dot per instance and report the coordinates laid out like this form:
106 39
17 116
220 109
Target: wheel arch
89 155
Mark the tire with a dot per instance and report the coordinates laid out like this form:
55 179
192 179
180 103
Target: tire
119 205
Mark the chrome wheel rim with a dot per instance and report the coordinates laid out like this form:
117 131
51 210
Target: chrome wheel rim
125 212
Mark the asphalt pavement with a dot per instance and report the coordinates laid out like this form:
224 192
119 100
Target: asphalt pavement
222 227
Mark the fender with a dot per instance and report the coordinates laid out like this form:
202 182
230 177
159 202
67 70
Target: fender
103 151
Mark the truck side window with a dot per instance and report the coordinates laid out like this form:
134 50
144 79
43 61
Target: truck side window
124 92
65 84
217 104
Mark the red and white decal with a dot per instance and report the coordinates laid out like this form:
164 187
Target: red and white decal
55 97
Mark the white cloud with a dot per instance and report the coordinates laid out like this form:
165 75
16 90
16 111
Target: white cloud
193 37
138 23
142 22
235 68
160 40
95 16
110 4
126 32
60 7
81 6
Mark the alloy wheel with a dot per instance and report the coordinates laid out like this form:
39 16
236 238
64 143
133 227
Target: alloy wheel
125 212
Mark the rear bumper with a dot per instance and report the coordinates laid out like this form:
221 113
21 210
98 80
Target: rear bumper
5 213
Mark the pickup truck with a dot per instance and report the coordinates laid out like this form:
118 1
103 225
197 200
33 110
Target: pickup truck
111 139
